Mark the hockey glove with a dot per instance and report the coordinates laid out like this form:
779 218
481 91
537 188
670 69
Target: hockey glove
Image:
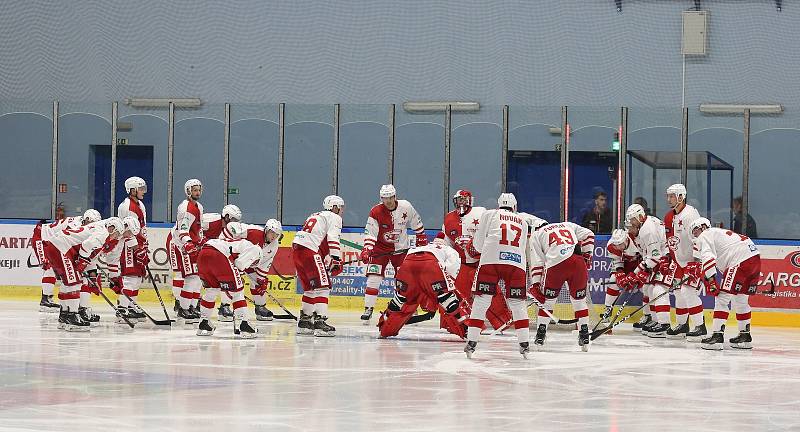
142 256
638 280
116 284
421 240
45 264
366 253
664 266
191 249
621 278
471 251
81 263
336 266
587 257
711 286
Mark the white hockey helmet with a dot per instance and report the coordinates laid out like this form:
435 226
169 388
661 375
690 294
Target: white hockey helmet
187 187
387 191
132 224
135 183
332 200
699 223
507 200
679 190
90 216
440 241
116 223
634 212
273 225
618 237
233 212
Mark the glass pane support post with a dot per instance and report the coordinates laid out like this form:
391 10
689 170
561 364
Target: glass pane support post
622 166
281 156
226 159
390 162
685 146
448 136
54 191
335 165
504 156
564 162
114 122
745 171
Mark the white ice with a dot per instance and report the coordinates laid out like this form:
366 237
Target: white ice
150 380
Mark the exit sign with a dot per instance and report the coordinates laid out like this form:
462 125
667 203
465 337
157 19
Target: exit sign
233 191
122 141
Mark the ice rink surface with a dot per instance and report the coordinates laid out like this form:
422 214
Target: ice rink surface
150 380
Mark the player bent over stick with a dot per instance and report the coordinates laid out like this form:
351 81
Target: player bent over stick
318 239
553 262
739 260
502 241
221 263
426 279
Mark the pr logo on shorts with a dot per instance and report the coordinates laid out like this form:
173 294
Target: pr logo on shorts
516 293
510 256
550 293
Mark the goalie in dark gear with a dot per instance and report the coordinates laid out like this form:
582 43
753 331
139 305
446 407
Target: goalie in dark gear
426 280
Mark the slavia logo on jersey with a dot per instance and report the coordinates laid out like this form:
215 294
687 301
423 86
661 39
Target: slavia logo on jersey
566 250
672 242
392 236
511 256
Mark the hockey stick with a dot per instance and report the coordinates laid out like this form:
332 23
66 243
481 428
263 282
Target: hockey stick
102 294
289 314
597 333
275 316
396 252
157 323
619 312
158 293
769 291
421 317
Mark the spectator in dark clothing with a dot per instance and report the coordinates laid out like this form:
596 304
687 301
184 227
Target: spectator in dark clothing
598 219
643 202
752 232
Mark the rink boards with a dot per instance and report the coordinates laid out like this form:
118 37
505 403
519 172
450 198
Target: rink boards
20 273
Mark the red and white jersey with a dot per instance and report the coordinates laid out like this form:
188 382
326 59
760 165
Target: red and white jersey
386 231
459 230
723 249
254 234
652 242
502 238
187 223
86 240
242 253
212 225
110 257
624 257
555 242
448 258
321 233
679 236
135 208
72 222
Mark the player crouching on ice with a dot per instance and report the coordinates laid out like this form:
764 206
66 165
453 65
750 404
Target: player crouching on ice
426 279
502 241
739 260
220 263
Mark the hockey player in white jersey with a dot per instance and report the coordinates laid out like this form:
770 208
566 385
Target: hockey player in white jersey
220 264
625 258
317 257
41 237
184 246
135 250
266 237
553 262
386 240
739 261
651 242
502 242
680 242
213 225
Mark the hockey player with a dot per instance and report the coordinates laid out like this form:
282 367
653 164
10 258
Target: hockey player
386 240
41 236
458 229
135 251
317 257
220 264
426 278
111 257
651 241
625 257
502 241
554 262
213 225
185 246
739 261
268 239
679 240
70 252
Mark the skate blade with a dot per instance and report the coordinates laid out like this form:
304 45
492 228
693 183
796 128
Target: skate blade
676 337
584 348
205 332
469 354
365 322
324 334
225 319
304 332
245 335
76 329
46 309
742 346
260 318
525 355
712 347
656 335
695 339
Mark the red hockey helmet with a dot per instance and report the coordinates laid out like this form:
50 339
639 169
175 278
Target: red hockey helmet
462 200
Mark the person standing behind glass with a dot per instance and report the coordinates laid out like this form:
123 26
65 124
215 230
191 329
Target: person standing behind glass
752 232
598 219
643 202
